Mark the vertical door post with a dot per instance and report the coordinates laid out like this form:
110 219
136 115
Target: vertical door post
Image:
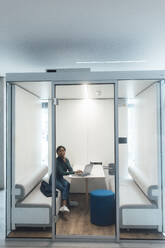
53 138
116 159
162 155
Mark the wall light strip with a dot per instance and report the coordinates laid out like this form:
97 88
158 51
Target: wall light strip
111 62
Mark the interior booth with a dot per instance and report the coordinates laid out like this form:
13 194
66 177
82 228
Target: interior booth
111 125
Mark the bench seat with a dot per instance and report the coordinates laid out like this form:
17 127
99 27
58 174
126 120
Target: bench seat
136 209
131 194
32 208
36 209
36 197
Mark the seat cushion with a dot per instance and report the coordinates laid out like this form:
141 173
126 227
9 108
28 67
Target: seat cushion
36 198
130 193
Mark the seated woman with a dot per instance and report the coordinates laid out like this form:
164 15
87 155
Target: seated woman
63 168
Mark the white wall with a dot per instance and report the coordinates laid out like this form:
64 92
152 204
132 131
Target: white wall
146 134
86 129
123 148
27 134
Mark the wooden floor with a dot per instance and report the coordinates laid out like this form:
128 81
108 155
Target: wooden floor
136 234
77 222
29 232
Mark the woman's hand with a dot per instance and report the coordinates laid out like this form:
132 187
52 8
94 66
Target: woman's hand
79 172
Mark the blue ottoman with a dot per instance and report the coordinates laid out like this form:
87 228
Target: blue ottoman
102 207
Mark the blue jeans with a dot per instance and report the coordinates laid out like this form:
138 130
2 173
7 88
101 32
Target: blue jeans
64 187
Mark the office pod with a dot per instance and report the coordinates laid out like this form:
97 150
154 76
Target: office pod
84 158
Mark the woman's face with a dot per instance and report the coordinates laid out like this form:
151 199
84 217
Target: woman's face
61 152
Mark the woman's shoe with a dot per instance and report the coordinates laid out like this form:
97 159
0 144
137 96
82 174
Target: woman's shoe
64 209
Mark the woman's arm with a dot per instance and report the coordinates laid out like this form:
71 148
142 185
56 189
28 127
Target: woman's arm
69 168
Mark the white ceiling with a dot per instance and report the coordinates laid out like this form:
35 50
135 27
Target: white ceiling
126 89
36 35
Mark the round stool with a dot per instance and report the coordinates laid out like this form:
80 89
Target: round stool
102 207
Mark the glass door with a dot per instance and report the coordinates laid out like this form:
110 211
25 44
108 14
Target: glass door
84 140
140 167
28 209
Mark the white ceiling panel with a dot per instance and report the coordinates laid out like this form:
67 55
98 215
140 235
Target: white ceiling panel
39 35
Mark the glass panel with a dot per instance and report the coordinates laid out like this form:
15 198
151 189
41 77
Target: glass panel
85 127
139 160
30 209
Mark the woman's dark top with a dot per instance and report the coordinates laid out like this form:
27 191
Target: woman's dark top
63 168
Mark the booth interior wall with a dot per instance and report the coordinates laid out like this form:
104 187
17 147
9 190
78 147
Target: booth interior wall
86 128
146 136
123 148
27 134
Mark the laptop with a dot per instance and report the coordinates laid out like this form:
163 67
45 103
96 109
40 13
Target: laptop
87 170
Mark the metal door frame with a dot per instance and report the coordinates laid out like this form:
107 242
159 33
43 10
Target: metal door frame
116 150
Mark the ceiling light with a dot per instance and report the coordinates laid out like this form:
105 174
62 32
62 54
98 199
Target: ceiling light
111 62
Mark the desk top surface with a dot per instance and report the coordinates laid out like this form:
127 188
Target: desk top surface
97 172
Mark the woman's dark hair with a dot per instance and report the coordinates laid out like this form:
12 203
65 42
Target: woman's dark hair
59 147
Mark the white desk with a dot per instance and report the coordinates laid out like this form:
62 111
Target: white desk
97 172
